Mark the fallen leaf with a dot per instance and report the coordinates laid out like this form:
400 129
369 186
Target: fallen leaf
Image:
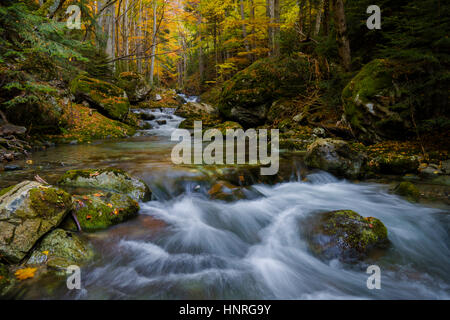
98 194
26 273
45 252
110 205
370 225
88 217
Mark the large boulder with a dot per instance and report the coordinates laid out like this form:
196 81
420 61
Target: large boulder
247 96
134 85
99 211
374 104
110 179
345 235
105 97
335 156
29 210
60 248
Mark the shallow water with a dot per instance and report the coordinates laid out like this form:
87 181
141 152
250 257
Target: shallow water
184 245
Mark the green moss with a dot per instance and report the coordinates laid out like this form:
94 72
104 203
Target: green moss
48 202
6 190
106 96
98 212
407 190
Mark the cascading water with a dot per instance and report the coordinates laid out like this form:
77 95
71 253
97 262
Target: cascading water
184 244
254 249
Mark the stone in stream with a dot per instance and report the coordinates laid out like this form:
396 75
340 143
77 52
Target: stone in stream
59 249
335 156
146 116
226 191
29 210
345 235
407 190
111 179
161 122
101 210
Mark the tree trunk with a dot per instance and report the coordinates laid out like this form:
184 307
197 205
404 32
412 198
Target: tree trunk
326 16
244 28
201 63
318 18
269 27
152 67
341 34
276 29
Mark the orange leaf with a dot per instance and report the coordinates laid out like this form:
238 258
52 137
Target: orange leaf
26 273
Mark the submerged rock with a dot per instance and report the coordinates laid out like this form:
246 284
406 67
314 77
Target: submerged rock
408 190
29 210
345 235
335 156
104 96
60 249
107 179
100 211
226 191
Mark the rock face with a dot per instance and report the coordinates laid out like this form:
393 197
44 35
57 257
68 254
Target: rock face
345 235
60 249
134 85
247 96
29 210
111 179
100 211
105 97
335 156
373 103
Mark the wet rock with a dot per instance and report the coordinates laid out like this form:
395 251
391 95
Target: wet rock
299 118
226 191
7 280
111 179
104 96
8 129
345 235
12 167
319 132
396 164
134 85
146 116
60 248
161 122
408 190
100 211
193 109
335 156
29 210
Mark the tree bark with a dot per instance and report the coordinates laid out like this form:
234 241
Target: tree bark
152 67
244 27
341 34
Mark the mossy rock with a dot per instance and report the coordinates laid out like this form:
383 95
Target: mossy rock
228 125
134 85
111 179
29 210
99 211
223 190
408 190
247 96
345 235
104 96
396 164
7 280
375 105
337 157
60 249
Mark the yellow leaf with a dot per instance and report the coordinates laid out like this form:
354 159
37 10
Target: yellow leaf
29 161
110 205
45 252
26 273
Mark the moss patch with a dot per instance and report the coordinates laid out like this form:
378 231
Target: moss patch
407 190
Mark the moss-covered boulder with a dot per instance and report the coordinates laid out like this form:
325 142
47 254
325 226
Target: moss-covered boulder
375 105
228 125
105 97
345 235
134 85
60 248
408 190
247 96
100 211
110 179
29 210
335 156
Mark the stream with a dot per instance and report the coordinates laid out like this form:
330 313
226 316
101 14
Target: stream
184 245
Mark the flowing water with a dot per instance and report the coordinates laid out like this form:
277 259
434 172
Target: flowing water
184 245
